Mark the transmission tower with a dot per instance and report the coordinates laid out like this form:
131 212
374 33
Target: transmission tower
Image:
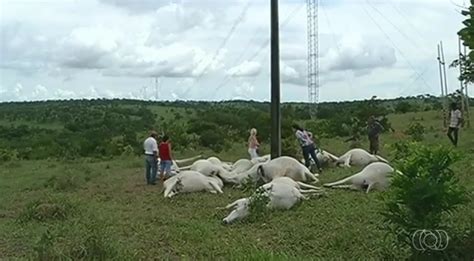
313 55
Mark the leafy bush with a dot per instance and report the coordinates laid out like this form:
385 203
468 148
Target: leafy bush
404 107
421 198
416 131
8 155
258 205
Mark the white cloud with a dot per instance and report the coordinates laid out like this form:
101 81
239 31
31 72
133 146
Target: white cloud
61 49
245 69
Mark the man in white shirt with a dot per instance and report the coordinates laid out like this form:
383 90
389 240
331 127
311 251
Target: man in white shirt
151 158
455 121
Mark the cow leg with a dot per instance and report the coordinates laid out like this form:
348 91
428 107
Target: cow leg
172 193
345 187
216 187
347 162
304 185
310 191
369 187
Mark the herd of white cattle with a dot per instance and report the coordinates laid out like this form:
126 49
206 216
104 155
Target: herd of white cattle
285 178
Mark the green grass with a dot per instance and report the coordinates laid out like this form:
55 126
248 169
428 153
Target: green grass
116 216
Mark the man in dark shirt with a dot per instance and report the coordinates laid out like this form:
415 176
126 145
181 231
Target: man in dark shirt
374 128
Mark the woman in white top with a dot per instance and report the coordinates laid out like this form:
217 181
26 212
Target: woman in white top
253 144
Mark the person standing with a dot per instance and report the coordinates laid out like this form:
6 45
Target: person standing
374 128
307 146
151 158
455 123
253 144
166 159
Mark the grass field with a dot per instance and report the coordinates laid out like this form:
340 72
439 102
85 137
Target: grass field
75 209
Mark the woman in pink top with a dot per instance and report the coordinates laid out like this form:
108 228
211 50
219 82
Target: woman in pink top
253 144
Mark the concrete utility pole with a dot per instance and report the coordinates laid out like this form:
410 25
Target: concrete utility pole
464 91
444 84
275 82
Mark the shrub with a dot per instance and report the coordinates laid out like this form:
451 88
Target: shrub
258 205
421 199
416 131
8 155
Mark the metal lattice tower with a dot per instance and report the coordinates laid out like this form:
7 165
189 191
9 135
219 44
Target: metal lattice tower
313 54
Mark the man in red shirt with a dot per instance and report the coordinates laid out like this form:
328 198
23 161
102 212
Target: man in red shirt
165 157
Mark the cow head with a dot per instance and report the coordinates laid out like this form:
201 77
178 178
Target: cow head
240 211
178 185
261 175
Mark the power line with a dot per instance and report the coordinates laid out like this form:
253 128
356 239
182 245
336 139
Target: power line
396 27
264 45
336 43
394 45
224 42
412 26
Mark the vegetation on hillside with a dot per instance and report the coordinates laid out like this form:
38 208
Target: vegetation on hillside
105 128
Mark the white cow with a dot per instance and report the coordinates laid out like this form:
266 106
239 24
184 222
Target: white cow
205 167
216 161
285 166
242 177
358 157
175 167
283 193
191 181
374 176
324 157
261 159
242 165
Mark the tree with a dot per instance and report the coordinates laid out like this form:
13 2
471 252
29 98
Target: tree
467 36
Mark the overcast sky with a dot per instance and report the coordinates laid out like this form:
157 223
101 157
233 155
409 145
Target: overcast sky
218 49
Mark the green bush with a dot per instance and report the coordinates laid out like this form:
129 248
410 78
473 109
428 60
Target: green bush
8 155
416 131
258 205
421 200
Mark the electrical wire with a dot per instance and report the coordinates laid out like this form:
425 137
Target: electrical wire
395 46
263 46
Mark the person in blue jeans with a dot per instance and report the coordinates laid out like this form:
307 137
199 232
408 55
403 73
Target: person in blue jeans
151 158
307 145
166 159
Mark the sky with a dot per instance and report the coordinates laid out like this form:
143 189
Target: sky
218 49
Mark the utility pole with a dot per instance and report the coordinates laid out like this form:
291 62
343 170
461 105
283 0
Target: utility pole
275 81
157 88
465 94
443 81
443 111
444 69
